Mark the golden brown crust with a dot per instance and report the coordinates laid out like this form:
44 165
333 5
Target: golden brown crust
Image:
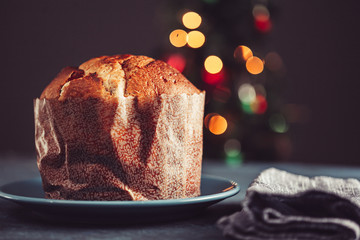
54 88
85 87
119 75
156 78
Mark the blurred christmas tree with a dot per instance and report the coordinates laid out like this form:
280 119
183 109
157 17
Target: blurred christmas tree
221 47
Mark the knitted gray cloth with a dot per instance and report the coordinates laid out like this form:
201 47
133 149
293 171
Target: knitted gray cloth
280 205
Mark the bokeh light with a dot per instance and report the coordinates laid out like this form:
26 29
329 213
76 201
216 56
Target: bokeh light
261 12
177 61
215 123
263 25
207 119
242 53
234 161
246 93
278 123
196 39
262 18
213 64
246 107
252 101
191 20
259 105
254 65
178 38
273 61
214 79
232 147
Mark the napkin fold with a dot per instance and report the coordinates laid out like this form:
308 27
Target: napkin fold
280 205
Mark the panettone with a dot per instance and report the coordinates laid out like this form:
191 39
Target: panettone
120 127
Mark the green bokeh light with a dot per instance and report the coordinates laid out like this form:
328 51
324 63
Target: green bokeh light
278 123
234 160
246 107
233 153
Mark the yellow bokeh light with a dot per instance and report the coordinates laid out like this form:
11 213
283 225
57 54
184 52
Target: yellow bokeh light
196 39
217 124
254 65
178 38
213 64
242 53
191 20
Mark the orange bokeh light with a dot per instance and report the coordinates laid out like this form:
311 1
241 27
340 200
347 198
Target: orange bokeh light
215 123
178 38
242 53
254 65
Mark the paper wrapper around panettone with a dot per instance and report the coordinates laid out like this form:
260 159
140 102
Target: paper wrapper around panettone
98 149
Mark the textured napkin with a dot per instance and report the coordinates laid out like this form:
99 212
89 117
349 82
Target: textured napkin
280 205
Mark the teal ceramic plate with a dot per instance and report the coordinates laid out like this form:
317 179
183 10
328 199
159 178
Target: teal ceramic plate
29 193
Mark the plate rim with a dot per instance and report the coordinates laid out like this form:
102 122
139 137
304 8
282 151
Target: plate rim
88 203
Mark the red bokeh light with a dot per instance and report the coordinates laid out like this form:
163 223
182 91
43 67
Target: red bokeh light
263 24
177 61
213 79
260 104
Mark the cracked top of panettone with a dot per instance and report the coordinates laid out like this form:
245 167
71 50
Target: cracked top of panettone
118 76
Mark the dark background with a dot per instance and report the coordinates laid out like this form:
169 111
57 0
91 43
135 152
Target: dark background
318 41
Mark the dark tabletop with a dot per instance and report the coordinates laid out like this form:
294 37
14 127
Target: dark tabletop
17 222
